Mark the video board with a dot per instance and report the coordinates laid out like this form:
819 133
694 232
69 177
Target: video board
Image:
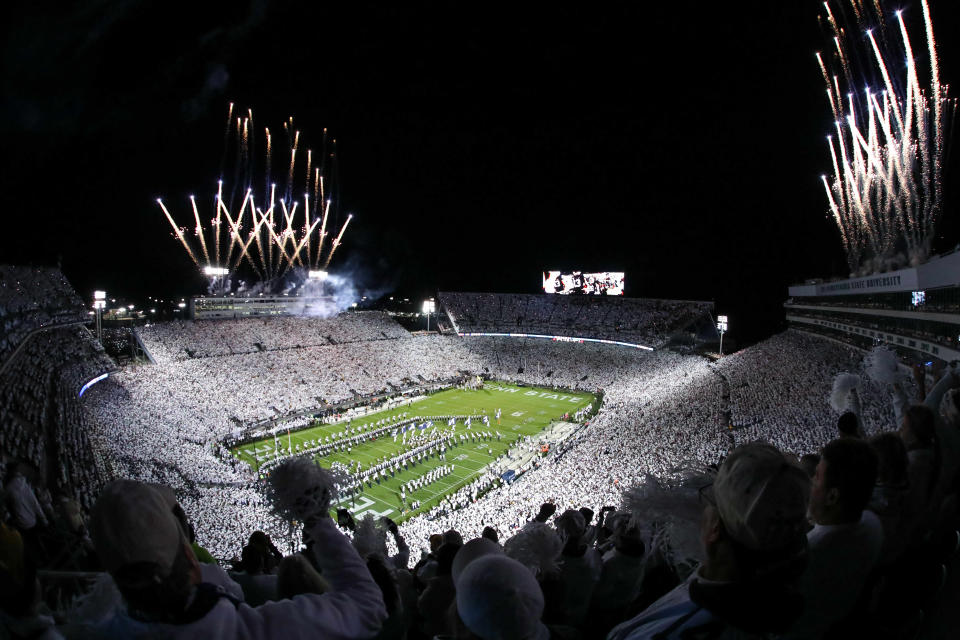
604 283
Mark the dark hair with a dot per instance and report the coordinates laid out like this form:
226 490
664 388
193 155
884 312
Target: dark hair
445 554
490 534
252 559
848 424
891 458
851 468
587 514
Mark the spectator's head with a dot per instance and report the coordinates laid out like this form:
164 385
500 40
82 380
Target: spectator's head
571 526
470 552
891 459
587 514
260 539
491 534
445 554
436 539
142 544
70 515
627 534
754 520
848 425
453 536
499 599
917 429
844 482
252 560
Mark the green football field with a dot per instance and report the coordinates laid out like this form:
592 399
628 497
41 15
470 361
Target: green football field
525 411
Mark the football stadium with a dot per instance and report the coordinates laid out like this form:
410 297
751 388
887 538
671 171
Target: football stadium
322 424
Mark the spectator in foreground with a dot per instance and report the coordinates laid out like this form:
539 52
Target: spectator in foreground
146 551
753 537
25 511
846 540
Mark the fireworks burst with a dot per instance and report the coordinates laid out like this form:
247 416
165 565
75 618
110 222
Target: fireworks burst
269 232
888 148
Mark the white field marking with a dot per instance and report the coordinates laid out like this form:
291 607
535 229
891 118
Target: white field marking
375 514
517 414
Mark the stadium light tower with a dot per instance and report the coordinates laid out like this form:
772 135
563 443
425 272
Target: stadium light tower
429 306
218 279
722 328
99 302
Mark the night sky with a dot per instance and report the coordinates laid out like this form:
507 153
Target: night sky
681 143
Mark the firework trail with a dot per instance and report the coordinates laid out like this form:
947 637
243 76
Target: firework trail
888 148
267 232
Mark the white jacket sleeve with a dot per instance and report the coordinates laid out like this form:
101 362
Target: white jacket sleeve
354 607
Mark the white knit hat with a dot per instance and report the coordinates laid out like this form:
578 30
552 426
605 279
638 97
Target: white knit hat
499 599
133 522
762 497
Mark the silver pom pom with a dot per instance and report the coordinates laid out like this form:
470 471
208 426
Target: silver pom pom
370 537
537 546
668 513
299 490
843 384
881 365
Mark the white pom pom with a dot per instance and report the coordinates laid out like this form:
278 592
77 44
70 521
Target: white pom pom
299 489
881 365
843 384
370 538
669 514
537 546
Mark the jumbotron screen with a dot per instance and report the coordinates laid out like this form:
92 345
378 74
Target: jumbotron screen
605 283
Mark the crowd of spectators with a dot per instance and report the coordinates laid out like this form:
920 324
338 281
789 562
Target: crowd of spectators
184 339
46 356
32 298
649 322
663 415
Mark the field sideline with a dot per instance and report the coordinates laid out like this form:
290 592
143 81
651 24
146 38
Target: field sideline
525 411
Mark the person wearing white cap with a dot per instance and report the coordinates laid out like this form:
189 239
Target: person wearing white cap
753 533
144 548
499 599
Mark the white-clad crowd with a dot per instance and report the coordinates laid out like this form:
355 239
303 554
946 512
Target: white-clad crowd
645 321
185 339
33 298
39 387
762 376
661 412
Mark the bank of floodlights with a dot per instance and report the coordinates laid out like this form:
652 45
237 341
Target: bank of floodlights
722 328
99 303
